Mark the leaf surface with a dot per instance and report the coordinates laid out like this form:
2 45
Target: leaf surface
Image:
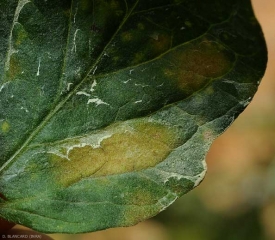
108 107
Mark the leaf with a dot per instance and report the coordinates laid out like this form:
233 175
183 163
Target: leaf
108 107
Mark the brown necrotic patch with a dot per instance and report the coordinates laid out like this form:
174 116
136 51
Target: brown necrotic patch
143 146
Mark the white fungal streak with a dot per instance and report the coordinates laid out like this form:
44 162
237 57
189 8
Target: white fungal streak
63 150
57 153
141 85
155 36
69 86
83 93
167 200
127 81
3 86
11 50
201 176
75 13
74 41
97 102
38 69
93 86
94 70
246 102
139 101
131 71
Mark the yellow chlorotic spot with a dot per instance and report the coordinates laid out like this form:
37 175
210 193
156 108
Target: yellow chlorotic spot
86 5
126 36
5 127
67 12
114 4
21 36
135 214
188 23
140 26
198 64
15 68
146 145
138 58
115 59
225 36
160 42
208 135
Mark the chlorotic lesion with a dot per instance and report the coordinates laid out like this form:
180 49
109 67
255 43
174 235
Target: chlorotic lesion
5 127
197 64
14 68
140 146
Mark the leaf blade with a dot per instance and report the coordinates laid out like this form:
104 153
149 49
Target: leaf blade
133 131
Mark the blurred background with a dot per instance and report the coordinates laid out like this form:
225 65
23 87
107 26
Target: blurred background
236 201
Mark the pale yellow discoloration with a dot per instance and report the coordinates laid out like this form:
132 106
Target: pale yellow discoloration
196 65
126 36
15 68
160 42
188 23
86 5
5 127
21 36
144 146
138 58
140 26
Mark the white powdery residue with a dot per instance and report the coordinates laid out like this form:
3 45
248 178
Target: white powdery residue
105 54
38 68
246 102
201 176
167 200
59 154
83 93
132 71
173 175
11 51
93 86
141 85
69 86
139 101
2 87
229 81
198 178
97 101
155 36
25 109
93 141
74 41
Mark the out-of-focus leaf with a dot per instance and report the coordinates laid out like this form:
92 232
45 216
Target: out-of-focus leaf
108 107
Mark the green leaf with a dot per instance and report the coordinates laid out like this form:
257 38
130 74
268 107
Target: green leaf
108 107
